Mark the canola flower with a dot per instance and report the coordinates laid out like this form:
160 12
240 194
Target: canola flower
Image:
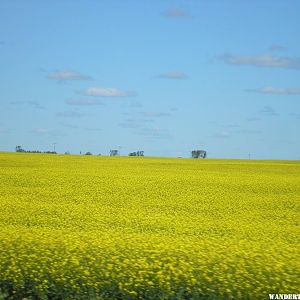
77 227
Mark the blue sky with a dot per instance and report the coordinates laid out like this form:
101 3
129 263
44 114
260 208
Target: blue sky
165 77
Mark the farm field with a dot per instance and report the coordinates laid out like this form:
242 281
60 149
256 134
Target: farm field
89 227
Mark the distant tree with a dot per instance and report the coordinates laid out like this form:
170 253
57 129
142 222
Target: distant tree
67 152
88 153
132 154
137 153
198 153
114 153
140 153
19 149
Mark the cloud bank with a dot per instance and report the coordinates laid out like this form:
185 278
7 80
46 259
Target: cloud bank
174 75
83 102
276 90
268 111
106 92
33 104
264 60
67 75
276 47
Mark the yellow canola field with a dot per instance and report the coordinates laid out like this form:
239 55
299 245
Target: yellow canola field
87 227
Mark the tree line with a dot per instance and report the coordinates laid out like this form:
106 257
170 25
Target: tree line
194 153
20 149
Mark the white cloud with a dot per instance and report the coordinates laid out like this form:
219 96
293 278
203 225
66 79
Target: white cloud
276 90
83 102
268 111
174 75
276 47
65 75
263 60
106 92
33 104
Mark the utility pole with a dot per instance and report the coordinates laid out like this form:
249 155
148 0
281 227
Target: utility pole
54 146
249 156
